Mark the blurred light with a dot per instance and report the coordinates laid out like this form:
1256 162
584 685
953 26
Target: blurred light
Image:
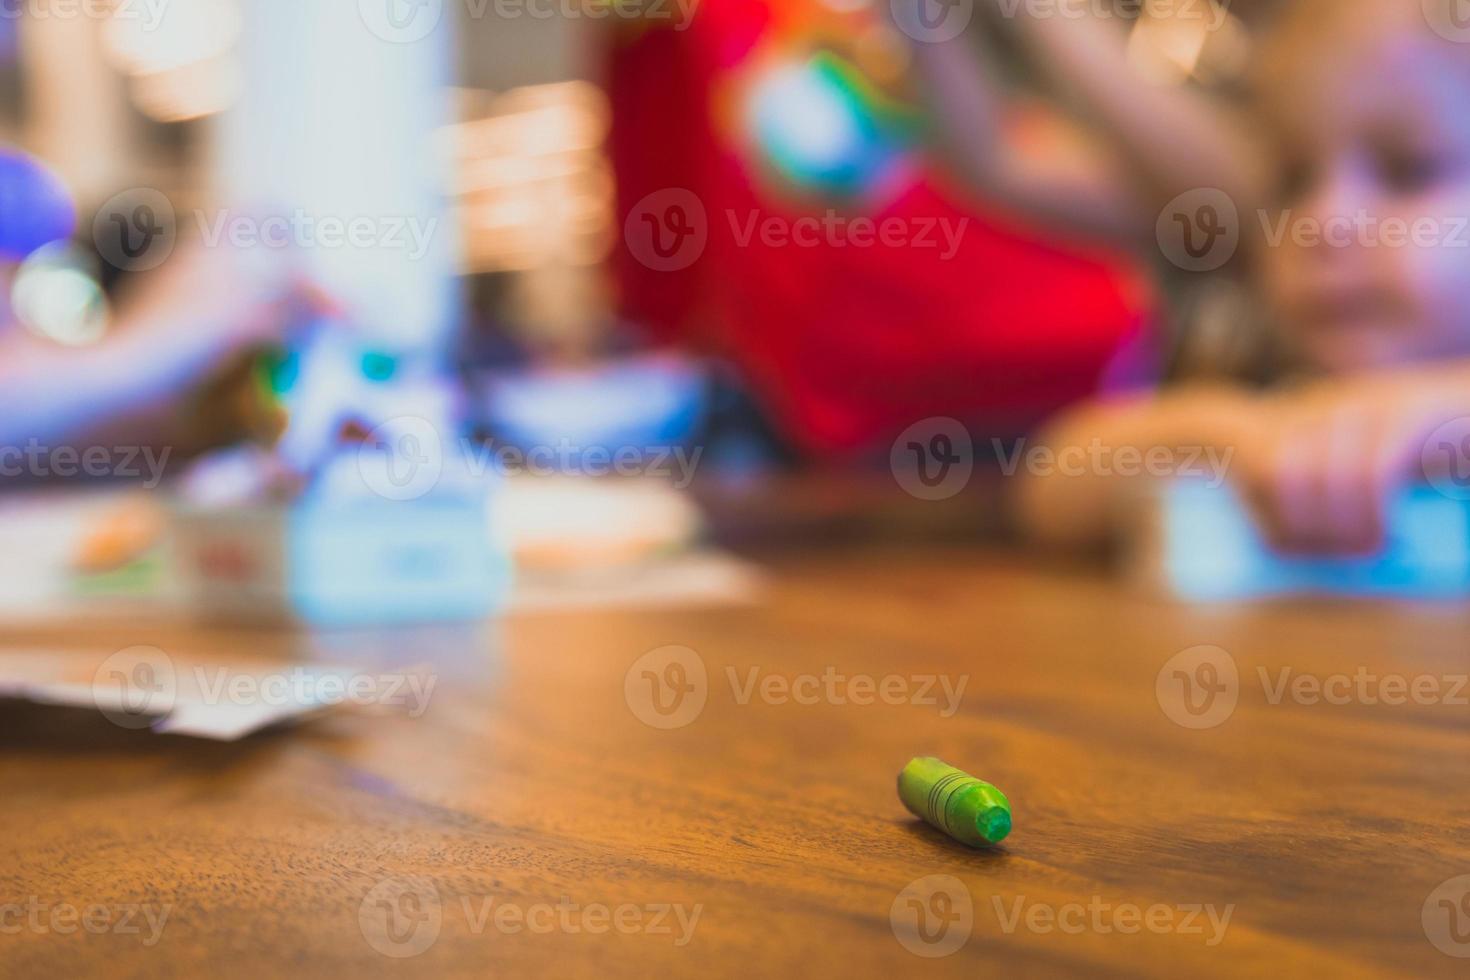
339 125
533 184
824 125
578 522
55 297
189 91
190 31
181 65
805 119
1166 47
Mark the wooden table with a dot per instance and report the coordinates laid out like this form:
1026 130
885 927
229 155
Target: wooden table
530 824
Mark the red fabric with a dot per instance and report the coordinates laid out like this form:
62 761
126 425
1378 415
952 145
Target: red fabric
847 346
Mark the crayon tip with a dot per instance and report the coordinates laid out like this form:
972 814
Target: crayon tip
994 824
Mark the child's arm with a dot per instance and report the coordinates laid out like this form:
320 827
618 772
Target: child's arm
1173 138
1321 476
1142 145
1090 463
1318 465
1062 176
196 316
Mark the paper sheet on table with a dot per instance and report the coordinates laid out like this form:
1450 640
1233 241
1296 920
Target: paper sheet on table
145 688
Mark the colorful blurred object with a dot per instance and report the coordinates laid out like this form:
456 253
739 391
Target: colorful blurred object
642 404
57 295
823 125
35 207
969 315
332 386
1205 546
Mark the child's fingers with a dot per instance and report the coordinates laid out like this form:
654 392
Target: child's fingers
1397 454
1295 518
316 298
1353 504
1364 459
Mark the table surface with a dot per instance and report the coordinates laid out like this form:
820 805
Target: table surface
530 822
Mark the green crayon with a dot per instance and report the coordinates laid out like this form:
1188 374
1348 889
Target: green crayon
970 810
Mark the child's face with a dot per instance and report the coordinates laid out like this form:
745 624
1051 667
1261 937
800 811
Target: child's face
1373 267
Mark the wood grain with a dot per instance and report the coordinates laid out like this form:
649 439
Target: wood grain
530 781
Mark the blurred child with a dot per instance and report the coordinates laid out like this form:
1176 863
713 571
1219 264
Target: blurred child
1362 104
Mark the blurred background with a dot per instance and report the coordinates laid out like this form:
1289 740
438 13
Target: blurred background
556 238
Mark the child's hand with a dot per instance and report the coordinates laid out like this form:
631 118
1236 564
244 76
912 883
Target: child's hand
188 325
205 307
192 330
1324 462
